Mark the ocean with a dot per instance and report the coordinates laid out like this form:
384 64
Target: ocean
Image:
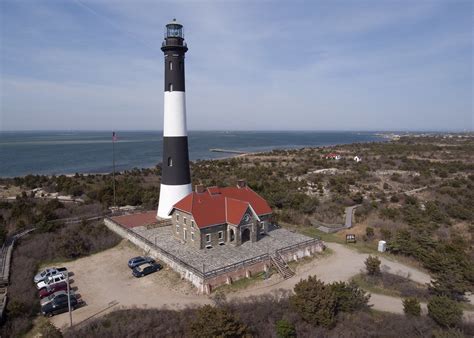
53 153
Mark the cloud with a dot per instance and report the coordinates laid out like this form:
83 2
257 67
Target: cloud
266 65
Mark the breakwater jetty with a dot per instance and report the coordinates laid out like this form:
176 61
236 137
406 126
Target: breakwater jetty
218 150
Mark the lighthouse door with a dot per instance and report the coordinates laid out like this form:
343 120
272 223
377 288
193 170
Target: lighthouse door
245 235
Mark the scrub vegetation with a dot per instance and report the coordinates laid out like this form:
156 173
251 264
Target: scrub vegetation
314 309
416 193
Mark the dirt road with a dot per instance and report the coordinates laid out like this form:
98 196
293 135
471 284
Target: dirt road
105 282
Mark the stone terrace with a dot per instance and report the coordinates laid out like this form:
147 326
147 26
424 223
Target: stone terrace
220 256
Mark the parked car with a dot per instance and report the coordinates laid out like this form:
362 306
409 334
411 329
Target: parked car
50 289
51 280
146 269
57 295
137 261
58 306
48 272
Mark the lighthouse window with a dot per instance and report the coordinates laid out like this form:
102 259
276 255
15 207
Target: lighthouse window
170 162
171 65
171 87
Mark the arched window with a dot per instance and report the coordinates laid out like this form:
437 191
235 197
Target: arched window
171 65
170 162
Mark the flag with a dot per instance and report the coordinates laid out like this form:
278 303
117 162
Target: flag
114 137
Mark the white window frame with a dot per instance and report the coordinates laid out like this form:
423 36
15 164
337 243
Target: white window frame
177 217
221 235
185 234
192 236
184 220
177 228
208 238
192 224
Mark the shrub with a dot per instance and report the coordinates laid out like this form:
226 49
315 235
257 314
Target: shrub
216 322
369 232
411 307
444 311
285 329
349 297
315 302
372 264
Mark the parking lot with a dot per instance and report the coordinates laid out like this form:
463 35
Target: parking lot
105 283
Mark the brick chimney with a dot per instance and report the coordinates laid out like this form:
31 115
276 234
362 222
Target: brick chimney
199 188
241 183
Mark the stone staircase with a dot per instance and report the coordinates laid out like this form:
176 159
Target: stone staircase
281 266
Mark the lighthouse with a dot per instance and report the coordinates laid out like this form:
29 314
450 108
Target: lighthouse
176 178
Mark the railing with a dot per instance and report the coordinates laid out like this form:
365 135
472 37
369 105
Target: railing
218 271
297 245
157 248
250 261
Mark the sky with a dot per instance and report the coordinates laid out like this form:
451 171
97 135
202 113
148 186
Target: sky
251 65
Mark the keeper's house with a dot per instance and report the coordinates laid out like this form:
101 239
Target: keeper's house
216 216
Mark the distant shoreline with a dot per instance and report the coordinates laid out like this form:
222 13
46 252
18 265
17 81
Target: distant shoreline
229 155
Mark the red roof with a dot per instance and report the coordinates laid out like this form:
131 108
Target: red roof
222 205
136 220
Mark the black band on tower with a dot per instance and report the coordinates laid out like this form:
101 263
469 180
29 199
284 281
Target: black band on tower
174 49
174 71
175 168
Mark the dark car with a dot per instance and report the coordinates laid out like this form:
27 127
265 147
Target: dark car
146 269
58 305
50 289
137 261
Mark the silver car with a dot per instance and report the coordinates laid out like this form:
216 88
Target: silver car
48 272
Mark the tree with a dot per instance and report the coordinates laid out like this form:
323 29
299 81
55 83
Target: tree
444 311
411 307
349 297
372 264
315 302
216 322
285 329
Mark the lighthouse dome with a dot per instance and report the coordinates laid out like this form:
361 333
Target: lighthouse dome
174 30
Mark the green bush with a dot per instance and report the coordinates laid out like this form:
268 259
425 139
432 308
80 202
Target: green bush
349 297
372 264
315 302
411 307
285 329
444 311
216 322
369 232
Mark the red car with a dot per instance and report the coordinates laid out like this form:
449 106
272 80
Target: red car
50 289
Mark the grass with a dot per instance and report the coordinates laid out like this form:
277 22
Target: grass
243 283
391 285
305 260
41 328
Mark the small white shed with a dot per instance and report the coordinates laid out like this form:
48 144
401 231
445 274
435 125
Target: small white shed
382 246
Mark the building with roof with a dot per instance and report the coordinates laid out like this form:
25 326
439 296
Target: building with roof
206 218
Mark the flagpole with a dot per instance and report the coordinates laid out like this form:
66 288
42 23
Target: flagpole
113 164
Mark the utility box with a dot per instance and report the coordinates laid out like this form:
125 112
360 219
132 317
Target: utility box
382 246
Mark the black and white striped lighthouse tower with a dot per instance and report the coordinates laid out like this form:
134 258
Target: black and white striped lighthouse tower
176 178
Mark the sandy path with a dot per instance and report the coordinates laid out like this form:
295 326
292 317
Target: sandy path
343 264
105 283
